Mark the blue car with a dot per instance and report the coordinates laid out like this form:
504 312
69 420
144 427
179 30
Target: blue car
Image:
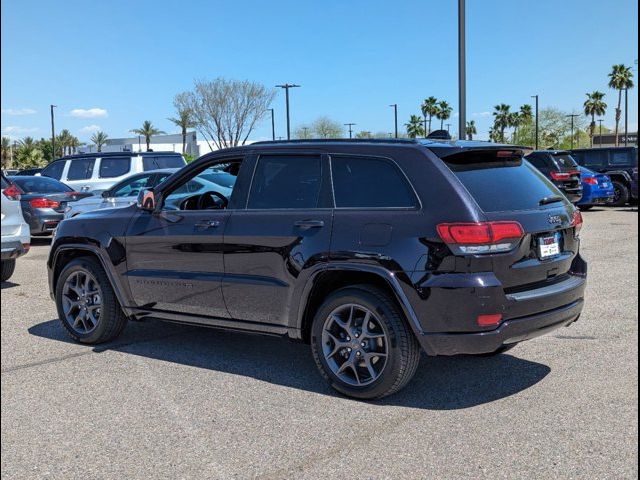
597 189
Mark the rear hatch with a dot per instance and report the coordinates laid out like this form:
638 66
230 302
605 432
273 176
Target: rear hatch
507 188
567 173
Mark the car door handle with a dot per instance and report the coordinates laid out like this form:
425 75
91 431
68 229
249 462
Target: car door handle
208 224
309 223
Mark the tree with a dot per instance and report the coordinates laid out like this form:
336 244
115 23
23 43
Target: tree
594 105
324 127
502 119
364 134
620 78
6 152
184 121
525 119
147 131
471 129
28 155
99 139
414 126
225 111
303 133
429 108
443 112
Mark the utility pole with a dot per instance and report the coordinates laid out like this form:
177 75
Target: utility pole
626 116
273 124
395 116
462 70
537 121
350 130
53 135
448 127
572 116
286 87
600 120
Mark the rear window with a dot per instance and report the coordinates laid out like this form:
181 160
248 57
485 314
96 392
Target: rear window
111 167
565 161
81 169
54 170
499 185
150 162
5 183
40 185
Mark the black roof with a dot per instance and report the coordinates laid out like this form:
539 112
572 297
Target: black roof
335 140
115 154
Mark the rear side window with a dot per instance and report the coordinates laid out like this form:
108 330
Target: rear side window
150 162
286 182
54 170
596 159
499 185
537 161
361 182
111 167
80 169
621 159
30 184
565 162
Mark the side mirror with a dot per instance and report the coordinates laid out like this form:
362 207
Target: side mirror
106 194
146 200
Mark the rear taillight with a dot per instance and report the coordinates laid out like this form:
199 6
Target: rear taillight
43 203
482 237
561 176
577 223
12 192
591 181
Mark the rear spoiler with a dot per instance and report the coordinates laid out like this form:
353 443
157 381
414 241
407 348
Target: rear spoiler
500 150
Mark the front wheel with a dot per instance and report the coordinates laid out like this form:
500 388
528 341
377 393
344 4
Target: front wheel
621 194
362 344
8 267
87 305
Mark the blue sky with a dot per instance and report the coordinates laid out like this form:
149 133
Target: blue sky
112 65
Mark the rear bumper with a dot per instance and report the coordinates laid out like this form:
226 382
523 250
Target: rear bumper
14 249
44 223
510 331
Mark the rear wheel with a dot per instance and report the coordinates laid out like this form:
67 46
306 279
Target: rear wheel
621 194
8 267
585 208
87 305
362 344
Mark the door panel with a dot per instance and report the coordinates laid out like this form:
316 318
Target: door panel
175 261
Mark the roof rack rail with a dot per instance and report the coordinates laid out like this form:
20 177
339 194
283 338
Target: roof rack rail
337 140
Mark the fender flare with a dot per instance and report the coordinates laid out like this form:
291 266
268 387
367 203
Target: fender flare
391 278
619 173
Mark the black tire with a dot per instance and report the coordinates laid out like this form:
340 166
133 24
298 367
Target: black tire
112 320
622 194
403 352
585 208
8 267
502 349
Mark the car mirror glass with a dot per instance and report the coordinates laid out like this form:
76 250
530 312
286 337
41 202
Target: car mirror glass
146 200
106 194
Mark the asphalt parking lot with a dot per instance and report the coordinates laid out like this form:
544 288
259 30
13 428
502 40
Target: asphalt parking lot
170 401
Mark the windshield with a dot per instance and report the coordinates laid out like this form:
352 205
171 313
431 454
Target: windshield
40 185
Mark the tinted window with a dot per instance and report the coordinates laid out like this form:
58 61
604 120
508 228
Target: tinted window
360 182
165 161
131 187
595 159
537 161
80 169
54 170
286 182
565 162
620 158
111 167
40 185
503 185
5 183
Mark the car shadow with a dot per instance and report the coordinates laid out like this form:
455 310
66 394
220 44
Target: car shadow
41 240
441 383
9 285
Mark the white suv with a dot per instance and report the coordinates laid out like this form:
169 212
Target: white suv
15 231
88 172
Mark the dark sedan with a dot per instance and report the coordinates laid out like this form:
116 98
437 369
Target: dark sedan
43 202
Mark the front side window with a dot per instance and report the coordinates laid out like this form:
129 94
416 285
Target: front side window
54 170
81 169
361 182
111 167
131 187
286 182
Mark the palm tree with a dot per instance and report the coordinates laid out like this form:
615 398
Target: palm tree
502 119
471 129
6 152
443 112
65 139
620 78
99 139
414 127
185 121
429 108
147 131
594 105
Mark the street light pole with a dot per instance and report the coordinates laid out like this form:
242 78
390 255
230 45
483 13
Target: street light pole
537 120
350 130
53 135
600 120
448 127
273 124
572 116
626 115
286 87
395 116
462 70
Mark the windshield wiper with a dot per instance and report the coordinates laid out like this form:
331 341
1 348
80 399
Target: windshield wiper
548 200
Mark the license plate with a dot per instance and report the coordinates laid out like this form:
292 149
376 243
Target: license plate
549 246
605 185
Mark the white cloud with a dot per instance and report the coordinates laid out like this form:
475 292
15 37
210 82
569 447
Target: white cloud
14 130
90 129
88 112
482 114
18 111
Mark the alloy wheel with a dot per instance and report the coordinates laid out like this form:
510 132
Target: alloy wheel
82 302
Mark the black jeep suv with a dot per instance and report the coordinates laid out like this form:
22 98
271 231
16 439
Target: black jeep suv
368 250
559 167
